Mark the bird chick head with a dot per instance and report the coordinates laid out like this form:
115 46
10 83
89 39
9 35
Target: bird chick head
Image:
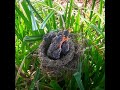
67 32
58 38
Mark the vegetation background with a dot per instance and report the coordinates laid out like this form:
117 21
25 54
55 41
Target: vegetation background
35 18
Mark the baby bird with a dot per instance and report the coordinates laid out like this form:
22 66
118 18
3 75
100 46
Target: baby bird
59 44
56 53
49 37
54 49
65 47
66 33
65 44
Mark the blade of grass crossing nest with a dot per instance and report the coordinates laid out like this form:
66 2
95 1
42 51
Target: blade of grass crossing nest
63 22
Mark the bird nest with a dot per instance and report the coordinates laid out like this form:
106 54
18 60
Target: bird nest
66 64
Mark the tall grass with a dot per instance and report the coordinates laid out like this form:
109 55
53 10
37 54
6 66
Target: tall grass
33 19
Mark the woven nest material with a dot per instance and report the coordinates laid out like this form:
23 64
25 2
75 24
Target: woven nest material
67 64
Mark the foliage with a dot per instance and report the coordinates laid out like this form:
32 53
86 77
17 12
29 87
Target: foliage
35 18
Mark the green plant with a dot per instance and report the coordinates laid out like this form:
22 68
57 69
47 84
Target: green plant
33 19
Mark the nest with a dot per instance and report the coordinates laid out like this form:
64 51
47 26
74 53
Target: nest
65 65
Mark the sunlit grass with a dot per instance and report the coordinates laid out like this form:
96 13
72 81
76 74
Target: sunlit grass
88 23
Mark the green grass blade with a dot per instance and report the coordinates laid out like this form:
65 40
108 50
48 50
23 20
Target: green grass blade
46 19
55 85
18 35
86 71
77 22
72 84
53 16
99 31
69 14
27 11
22 16
93 5
77 76
32 38
37 15
61 22
100 12
72 20
86 4
37 75
66 10
34 24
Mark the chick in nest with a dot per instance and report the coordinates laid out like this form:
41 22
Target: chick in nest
59 44
54 49
65 45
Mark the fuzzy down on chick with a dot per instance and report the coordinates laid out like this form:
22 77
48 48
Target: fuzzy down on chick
65 47
54 49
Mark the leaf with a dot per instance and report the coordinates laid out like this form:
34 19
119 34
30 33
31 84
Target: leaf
37 15
34 25
53 17
66 10
77 76
46 19
99 31
93 5
55 85
69 14
27 11
32 38
77 22
37 75
100 11
86 1
22 16
72 84
72 20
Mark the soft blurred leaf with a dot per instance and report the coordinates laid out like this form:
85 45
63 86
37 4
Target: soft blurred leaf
93 5
32 38
37 14
77 76
34 24
50 2
27 11
66 10
97 29
69 14
36 77
72 84
46 19
55 85
77 22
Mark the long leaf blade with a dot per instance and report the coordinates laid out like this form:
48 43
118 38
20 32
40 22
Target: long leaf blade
22 16
53 17
34 24
77 76
55 85
97 29
37 75
37 15
69 14
46 19
32 38
27 11
93 5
